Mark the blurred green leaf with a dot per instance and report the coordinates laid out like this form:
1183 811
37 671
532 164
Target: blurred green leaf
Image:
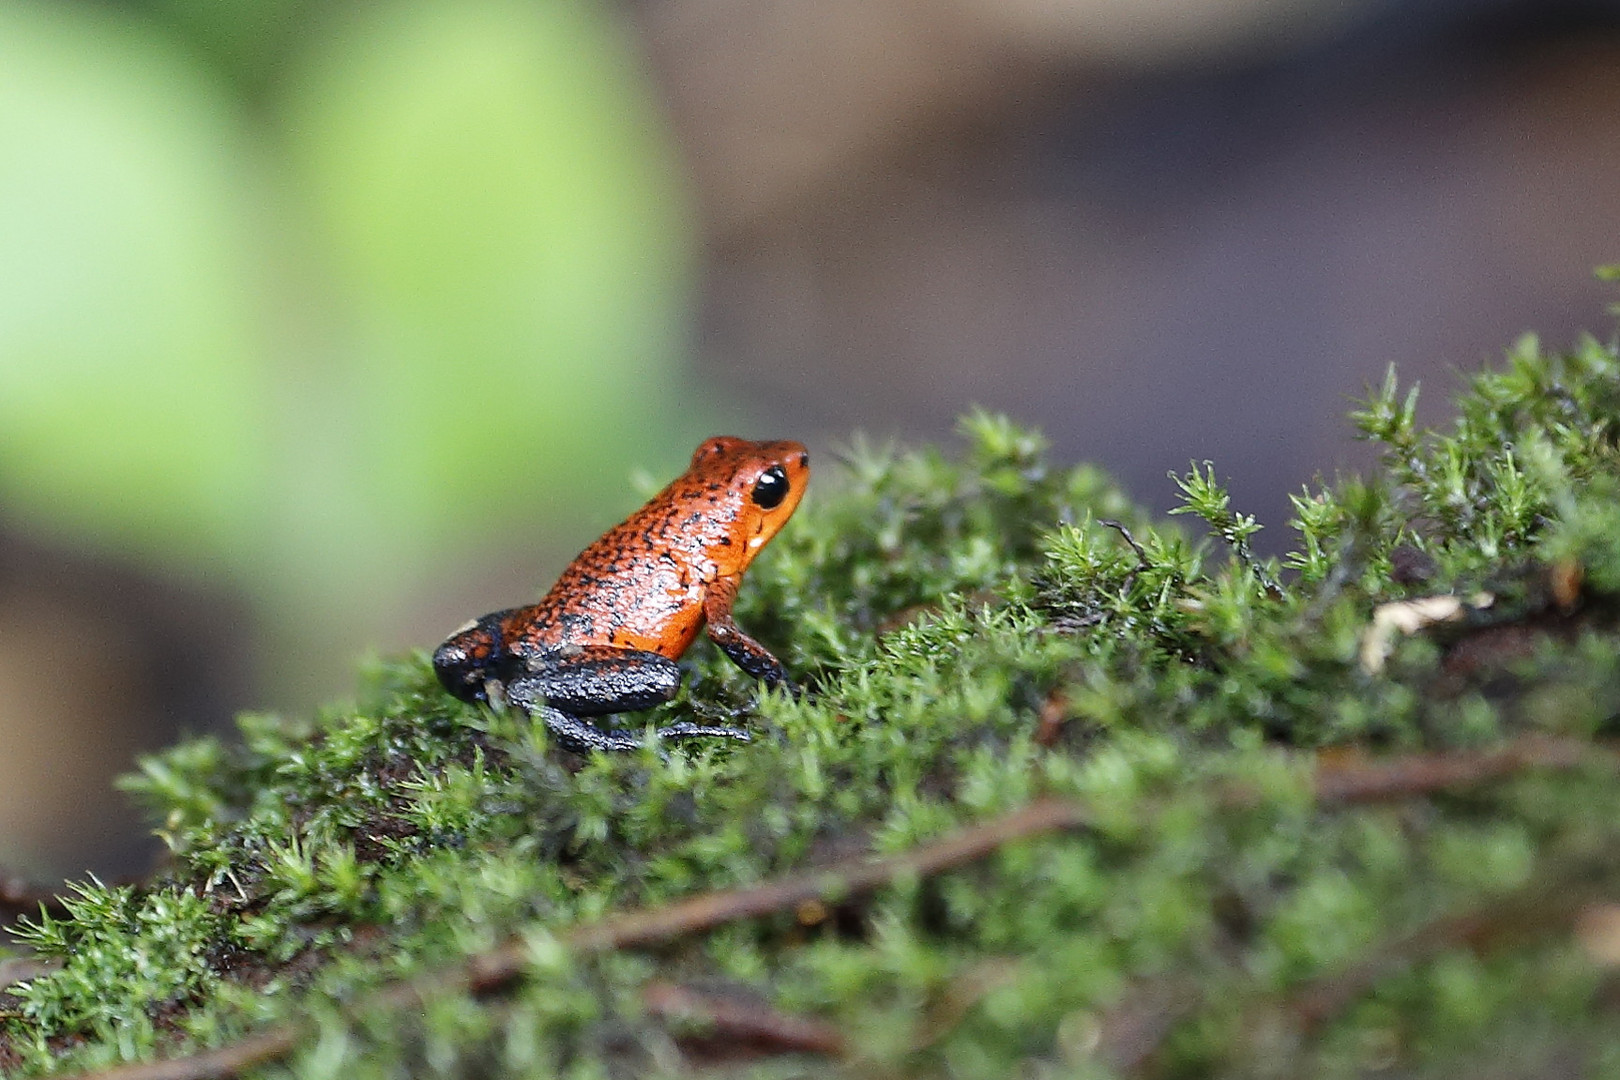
129 360
502 217
427 294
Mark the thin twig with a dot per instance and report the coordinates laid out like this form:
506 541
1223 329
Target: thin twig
1131 1031
840 882
751 1025
1350 783
1142 560
260 1048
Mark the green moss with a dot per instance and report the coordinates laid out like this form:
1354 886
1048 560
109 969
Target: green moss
974 634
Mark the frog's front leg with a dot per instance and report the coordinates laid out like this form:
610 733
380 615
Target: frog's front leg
593 680
743 650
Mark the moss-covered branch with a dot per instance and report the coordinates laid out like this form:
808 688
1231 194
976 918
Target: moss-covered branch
1270 823
807 896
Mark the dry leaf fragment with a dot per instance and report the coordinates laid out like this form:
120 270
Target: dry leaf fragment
1408 617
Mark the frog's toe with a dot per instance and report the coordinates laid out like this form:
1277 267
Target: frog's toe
687 730
572 733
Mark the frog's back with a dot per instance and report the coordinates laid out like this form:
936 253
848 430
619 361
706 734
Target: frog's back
642 585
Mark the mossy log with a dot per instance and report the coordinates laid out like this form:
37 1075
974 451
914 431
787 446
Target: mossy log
1070 792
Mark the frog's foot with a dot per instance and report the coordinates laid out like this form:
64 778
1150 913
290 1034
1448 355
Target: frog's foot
711 714
685 730
794 691
572 733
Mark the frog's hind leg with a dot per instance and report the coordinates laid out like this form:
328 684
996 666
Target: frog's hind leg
593 680
572 733
578 735
686 730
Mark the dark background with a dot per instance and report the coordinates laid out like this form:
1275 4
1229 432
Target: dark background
1160 232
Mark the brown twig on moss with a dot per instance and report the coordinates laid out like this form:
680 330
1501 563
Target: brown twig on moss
1353 781
740 1023
260 1048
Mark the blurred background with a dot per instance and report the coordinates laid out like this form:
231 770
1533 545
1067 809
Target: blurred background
326 326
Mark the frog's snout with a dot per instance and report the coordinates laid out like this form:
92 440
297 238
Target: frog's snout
465 662
454 666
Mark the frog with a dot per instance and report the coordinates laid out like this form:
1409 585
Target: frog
606 637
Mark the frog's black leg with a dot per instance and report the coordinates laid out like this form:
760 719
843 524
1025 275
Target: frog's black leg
591 680
688 730
744 651
578 735
596 680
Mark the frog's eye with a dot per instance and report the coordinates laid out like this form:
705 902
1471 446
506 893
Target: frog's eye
771 488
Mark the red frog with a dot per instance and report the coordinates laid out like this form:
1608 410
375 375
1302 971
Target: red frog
606 637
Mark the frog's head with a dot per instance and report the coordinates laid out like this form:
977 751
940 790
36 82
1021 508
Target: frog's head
763 483
471 657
